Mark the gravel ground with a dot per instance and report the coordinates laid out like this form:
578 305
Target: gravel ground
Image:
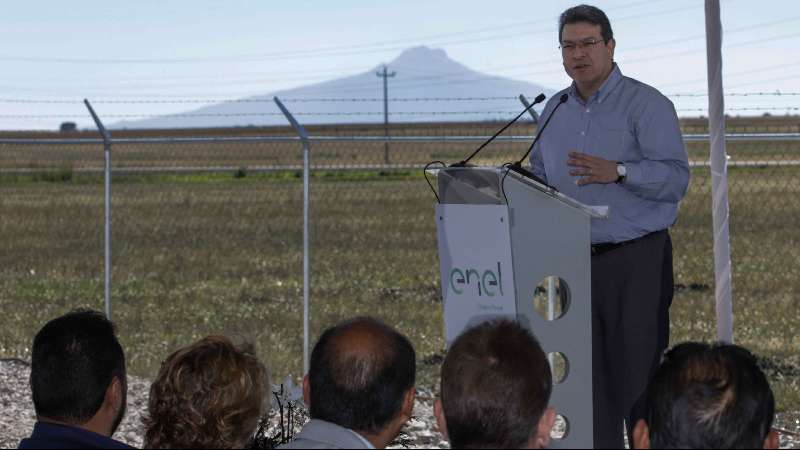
17 415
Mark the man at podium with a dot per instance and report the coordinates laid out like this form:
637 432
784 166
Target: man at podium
616 141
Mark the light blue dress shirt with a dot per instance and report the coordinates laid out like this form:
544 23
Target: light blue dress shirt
626 121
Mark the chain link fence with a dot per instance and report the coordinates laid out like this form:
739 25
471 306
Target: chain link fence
207 236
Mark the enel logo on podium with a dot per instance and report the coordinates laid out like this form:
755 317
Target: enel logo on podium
489 282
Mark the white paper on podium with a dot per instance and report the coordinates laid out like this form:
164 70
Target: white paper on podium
476 266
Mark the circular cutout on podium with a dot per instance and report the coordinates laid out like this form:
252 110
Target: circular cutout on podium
552 298
560 428
559 366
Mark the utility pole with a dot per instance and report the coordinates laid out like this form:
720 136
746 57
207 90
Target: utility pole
385 75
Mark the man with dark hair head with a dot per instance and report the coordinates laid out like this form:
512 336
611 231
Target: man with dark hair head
78 382
616 141
495 388
360 387
586 14
708 396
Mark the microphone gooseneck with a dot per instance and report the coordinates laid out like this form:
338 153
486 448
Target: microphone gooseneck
517 166
563 99
539 99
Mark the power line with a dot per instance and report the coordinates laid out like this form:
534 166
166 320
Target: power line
538 63
180 101
337 114
735 45
398 99
473 77
737 74
327 51
703 36
763 81
240 76
639 60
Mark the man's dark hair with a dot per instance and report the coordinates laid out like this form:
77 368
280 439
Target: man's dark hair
360 383
589 14
75 358
496 384
709 396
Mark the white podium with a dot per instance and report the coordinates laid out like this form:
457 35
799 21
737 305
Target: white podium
512 247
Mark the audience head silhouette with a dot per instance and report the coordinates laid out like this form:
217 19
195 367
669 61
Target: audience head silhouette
495 388
708 396
361 380
78 382
207 395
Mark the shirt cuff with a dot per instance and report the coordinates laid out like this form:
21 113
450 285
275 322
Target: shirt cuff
633 174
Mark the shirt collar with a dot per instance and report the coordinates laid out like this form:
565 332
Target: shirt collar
605 89
364 440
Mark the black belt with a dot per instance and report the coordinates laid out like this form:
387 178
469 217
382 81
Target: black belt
599 249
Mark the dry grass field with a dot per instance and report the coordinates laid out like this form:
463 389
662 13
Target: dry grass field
197 254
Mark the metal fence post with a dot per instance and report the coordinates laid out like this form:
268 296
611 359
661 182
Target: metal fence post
301 131
527 104
106 135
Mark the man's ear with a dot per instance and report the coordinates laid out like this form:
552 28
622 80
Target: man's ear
641 435
408 404
307 391
772 440
115 395
544 428
438 412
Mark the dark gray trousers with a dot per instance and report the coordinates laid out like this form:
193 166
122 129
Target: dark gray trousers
632 289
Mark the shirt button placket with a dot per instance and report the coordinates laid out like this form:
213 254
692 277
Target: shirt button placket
583 134
586 120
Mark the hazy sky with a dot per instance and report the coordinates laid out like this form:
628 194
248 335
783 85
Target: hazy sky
150 50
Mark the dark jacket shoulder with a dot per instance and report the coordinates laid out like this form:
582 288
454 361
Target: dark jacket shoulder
52 436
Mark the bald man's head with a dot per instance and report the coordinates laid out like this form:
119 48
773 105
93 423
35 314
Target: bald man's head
360 371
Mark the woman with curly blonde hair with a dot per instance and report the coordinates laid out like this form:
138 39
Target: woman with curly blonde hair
208 395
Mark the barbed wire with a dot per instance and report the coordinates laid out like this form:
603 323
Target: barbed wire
741 94
264 100
771 108
336 114
398 99
179 101
327 114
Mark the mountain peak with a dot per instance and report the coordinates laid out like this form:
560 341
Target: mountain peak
423 51
421 56
420 72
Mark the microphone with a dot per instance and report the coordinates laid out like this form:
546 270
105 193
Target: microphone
539 99
517 166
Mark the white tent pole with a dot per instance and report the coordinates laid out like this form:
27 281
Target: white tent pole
719 173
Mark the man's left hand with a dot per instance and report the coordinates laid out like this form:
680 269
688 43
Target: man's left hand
592 169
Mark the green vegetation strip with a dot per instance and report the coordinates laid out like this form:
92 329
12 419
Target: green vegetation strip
237 176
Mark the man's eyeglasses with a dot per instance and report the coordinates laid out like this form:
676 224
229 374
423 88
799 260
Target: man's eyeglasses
569 46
